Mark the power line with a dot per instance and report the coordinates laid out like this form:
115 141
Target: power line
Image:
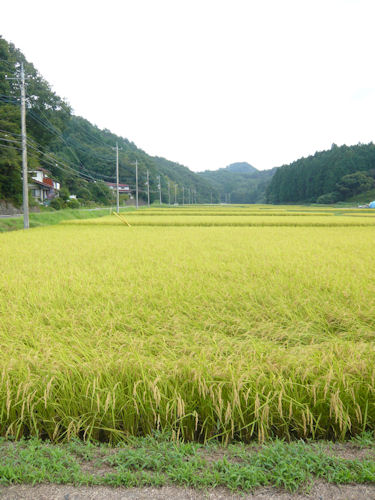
13 100
9 140
10 147
99 139
88 151
52 129
37 147
7 132
89 139
10 96
58 135
56 161
48 158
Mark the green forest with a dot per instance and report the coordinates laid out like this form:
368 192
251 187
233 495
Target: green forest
339 174
240 182
77 153
81 157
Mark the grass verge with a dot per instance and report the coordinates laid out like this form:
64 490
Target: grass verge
51 218
157 461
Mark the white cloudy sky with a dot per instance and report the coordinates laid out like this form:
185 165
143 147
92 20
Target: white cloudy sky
210 82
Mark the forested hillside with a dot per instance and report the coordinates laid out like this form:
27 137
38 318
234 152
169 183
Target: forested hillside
77 153
82 158
240 182
94 150
326 177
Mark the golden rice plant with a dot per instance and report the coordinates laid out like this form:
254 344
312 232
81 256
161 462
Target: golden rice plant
207 332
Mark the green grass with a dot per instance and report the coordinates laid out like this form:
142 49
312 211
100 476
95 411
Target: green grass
51 217
158 461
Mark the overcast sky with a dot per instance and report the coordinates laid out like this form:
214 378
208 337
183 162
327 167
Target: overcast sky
209 82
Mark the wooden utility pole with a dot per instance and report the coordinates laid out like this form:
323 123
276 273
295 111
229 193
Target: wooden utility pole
169 193
25 187
136 184
175 194
117 183
148 188
159 187
183 195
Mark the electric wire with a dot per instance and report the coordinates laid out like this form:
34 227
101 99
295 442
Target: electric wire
59 136
52 129
10 133
8 140
56 163
10 147
48 126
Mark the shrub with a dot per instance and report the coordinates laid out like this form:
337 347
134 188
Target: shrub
328 198
73 203
57 203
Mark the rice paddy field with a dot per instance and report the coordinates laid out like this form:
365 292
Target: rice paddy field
230 322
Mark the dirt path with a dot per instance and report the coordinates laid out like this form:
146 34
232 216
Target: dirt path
320 491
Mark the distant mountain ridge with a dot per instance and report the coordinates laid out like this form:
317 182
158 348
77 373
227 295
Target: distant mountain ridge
240 182
241 168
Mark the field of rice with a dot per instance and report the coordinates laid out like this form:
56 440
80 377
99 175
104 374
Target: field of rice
205 327
238 216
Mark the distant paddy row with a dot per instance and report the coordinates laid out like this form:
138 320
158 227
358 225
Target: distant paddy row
273 219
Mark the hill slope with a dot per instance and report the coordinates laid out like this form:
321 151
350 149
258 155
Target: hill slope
241 168
77 153
240 182
94 150
326 177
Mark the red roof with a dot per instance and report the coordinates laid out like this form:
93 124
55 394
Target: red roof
34 181
48 181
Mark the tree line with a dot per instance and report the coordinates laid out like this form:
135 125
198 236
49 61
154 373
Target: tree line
78 154
325 177
240 183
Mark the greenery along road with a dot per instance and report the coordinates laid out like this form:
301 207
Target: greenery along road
38 219
158 461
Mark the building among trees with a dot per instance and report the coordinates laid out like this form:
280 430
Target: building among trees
42 186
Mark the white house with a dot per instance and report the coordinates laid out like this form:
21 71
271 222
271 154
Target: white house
42 186
122 188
